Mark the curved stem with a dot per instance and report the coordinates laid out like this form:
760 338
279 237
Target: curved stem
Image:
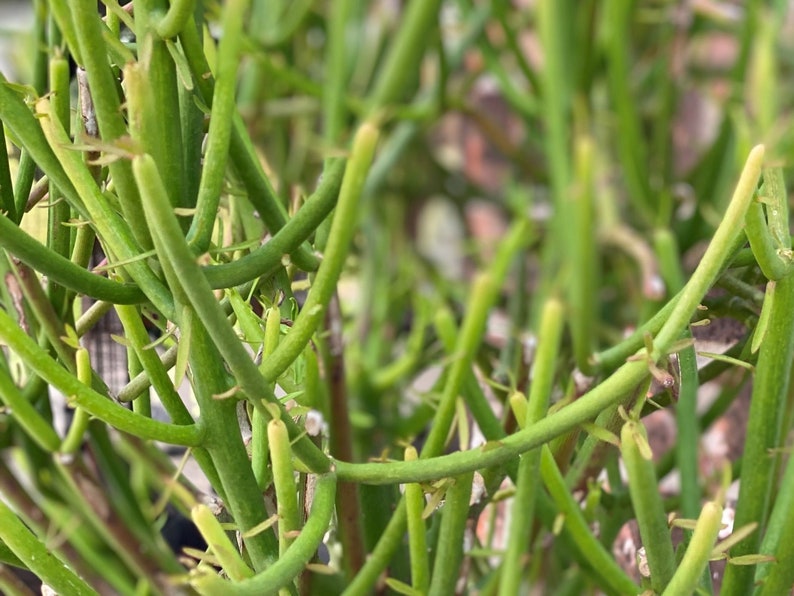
281 573
174 251
717 252
176 18
267 258
241 151
341 235
85 397
610 392
63 271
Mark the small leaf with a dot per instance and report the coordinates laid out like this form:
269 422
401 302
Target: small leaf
184 211
261 527
182 66
249 324
558 524
75 223
120 339
320 569
751 559
518 404
24 90
183 347
70 339
104 159
647 339
601 433
681 344
490 445
728 359
641 440
735 538
227 394
664 378
685 524
136 258
200 555
401 587
763 319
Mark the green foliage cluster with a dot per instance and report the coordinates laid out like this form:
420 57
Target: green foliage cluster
252 170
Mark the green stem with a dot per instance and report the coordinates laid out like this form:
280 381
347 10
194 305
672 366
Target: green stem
105 95
174 251
483 295
417 530
6 186
85 397
763 244
405 52
378 559
337 67
156 372
162 125
225 445
449 554
284 484
553 23
59 236
478 404
220 129
583 285
601 562
341 235
74 438
688 439
777 577
690 570
717 252
267 258
242 153
631 145
612 391
26 415
113 230
523 510
62 15
770 391
37 556
172 23
281 573
647 501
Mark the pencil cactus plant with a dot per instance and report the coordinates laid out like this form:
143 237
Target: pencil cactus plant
226 196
